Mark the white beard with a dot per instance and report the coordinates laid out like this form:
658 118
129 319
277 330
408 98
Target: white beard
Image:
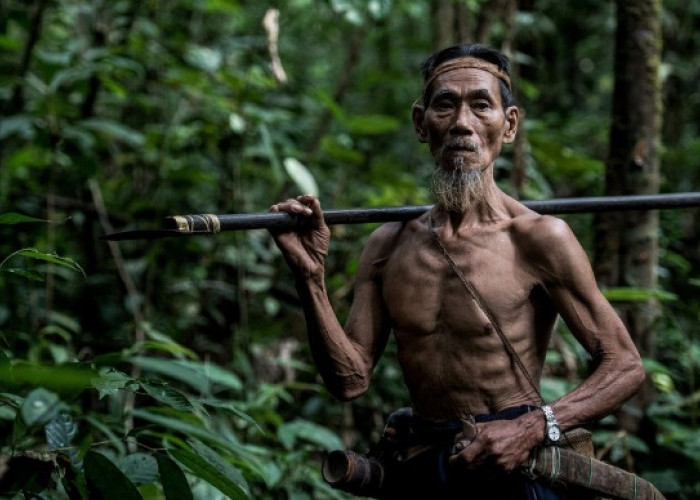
458 188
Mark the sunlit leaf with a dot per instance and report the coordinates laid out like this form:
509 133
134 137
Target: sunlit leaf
637 294
301 176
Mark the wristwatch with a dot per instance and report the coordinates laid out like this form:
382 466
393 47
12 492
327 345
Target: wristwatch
552 431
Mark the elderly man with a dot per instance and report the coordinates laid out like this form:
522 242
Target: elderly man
471 291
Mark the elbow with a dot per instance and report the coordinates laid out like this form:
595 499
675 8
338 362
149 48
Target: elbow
348 389
634 375
638 375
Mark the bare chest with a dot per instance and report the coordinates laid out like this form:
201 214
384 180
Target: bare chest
424 294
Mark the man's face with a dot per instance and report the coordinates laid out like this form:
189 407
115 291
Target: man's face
464 123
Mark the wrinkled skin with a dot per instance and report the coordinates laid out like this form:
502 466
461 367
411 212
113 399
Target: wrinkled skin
528 268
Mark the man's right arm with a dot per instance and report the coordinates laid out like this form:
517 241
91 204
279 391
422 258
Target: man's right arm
344 357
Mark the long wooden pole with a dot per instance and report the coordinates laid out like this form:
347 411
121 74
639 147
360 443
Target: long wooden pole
188 225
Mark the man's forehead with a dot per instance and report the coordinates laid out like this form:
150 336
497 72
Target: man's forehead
460 77
467 62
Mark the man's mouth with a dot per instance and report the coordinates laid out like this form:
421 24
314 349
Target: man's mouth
459 146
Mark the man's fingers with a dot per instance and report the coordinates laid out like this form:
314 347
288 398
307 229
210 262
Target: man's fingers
298 206
314 205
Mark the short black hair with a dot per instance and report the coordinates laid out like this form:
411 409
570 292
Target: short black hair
477 50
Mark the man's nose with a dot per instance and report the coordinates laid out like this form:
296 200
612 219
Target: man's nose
463 122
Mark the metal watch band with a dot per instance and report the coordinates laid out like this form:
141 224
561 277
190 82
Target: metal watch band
552 431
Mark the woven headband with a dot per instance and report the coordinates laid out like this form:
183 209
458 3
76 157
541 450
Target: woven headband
465 63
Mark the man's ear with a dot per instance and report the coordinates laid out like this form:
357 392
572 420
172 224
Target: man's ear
418 114
511 126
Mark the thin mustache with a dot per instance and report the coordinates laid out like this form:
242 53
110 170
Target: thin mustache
460 143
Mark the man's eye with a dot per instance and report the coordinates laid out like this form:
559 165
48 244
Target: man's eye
481 105
443 105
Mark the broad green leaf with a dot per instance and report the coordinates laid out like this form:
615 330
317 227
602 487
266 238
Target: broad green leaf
105 478
40 406
200 375
228 405
301 176
15 218
140 468
293 431
173 369
222 465
169 396
210 466
111 381
180 424
33 253
25 273
175 485
68 377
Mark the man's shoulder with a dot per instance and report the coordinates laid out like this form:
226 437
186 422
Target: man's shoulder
383 240
548 245
545 229
542 236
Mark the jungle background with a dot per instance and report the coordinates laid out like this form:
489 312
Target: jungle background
178 368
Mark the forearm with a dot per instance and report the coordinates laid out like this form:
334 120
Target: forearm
342 366
615 379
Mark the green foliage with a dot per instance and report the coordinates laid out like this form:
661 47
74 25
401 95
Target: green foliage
179 367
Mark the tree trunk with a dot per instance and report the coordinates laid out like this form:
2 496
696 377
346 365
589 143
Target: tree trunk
626 249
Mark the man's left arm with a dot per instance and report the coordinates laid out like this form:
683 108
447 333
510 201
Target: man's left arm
559 259
618 371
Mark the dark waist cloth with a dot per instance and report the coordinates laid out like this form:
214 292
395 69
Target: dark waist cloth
428 430
429 475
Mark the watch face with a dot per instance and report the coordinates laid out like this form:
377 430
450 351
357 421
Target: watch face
553 433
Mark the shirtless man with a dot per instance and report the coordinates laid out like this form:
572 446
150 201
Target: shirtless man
527 267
